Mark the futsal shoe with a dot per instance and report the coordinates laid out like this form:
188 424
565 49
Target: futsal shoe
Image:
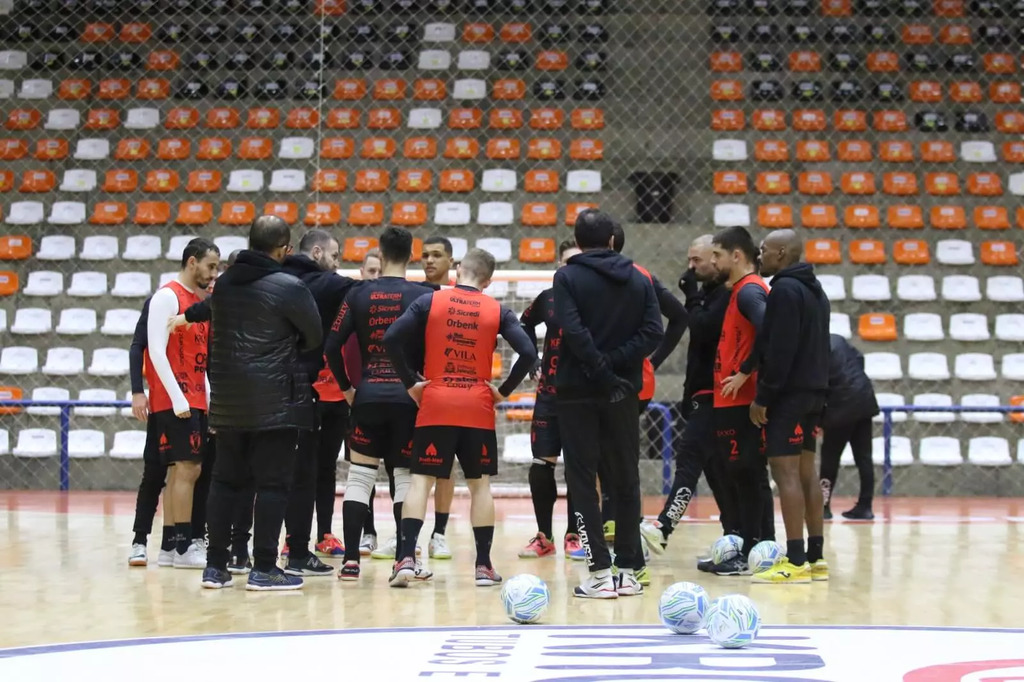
194 557
274 580
421 572
165 559
240 565
138 555
310 567
609 531
626 583
734 566
538 546
330 546
390 549
651 532
859 513
784 572
367 544
574 547
643 576
349 572
215 579
403 572
705 564
486 576
827 513
437 548
598 585
819 571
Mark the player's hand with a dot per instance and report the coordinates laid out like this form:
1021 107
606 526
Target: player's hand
620 390
688 283
182 411
175 322
758 414
140 407
416 392
496 394
350 396
731 385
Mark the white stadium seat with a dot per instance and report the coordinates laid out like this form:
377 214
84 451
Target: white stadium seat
25 213
229 244
468 89
67 213
13 60
834 287
44 283
176 247
96 395
32 321
245 180
940 451
19 360
871 288
1012 366
166 277
1010 327
933 400
974 367
1016 184
473 60
452 213
120 322
5 442
287 180
86 444
439 32
92 149
498 180
928 367
36 443
499 247
142 119
424 119
961 288
968 327
6 88
78 180
141 247
62 119
954 252
583 181
922 327
900 454
132 285
915 288
516 449
890 400
3 320
440 60
883 366
495 213
530 290
64 362
980 400
728 215
109 362
87 284
459 247
128 445
1004 289
99 247
977 151
839 323
498 290
77 321
989 451
47 393
35 88
729 150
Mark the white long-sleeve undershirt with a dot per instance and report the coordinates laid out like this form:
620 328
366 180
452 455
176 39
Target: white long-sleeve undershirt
162 307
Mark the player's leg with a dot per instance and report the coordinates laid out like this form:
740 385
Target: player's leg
608 510
620 437
241 527
444 495
723 488
832 445
186 440
813 502
333 426
364 460
201 493
433 452
298 521
154 471
477 452
543 489
272 458
860 443
739 442
229 479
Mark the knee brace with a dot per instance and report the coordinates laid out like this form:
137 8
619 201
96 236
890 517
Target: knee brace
403 479
361 479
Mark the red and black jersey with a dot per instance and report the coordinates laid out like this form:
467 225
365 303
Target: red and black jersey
542 311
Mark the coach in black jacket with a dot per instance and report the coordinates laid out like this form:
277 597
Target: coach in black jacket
610 322
261 396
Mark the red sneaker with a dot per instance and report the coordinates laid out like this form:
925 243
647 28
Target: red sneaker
538 546
330 546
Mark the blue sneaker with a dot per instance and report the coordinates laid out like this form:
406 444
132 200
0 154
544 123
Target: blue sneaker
574 547
272 580
215 579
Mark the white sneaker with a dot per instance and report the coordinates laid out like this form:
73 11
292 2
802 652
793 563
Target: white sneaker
651 532
138 556
438 547
422 573
194 557
386 550
598 585
626 584
367 544
165 559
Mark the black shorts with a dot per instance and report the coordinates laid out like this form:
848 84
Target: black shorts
384 431
545 439
736 437
180 440
435 449
793 425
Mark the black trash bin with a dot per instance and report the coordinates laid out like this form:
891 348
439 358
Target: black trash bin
655 195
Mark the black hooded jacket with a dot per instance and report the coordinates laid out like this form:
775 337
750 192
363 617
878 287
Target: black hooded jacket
793 344
329 290
610 322
851 397
263 318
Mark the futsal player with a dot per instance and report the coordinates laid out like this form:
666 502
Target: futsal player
545 439
178 392
383 414
793 355
458 329
739 443
706 301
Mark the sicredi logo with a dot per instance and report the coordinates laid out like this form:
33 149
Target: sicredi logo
553 653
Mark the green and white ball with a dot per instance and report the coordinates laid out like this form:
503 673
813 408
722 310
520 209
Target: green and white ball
525 598
733 621
764 555
725 548
682 607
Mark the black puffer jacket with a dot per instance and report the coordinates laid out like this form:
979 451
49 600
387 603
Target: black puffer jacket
851 397
263 318
329 290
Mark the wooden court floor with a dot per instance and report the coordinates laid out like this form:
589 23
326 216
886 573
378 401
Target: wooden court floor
924 562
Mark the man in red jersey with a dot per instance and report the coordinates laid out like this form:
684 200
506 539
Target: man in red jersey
176 372
459 328
734 255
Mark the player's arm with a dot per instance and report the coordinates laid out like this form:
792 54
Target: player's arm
530 318
521 343
137 350
402 334
647 336
674 311
752 301
576 337
162 307
300 309
200 311
341 330
779 343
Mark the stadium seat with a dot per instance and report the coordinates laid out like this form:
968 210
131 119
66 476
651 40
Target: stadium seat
928 367
461 148
285 210
377 148
1013 152
911 252
877 327
495 213
775 216
728 215
984 185
991 218
63 362
516 449
23 213
56 247
43 283
323 213
999 253
861 216
128 445
587 181
245 181
839 323
968 327
905 217
356 248
142 119
943 451
77 322
420 148
974 367
452 213
502 180
857 183
160 181
289 180
989 451
823 252
890 400
922 327
900 184
537 250
851 121
95 395
409 180
459 247
109 362
766 183
62 119
1012 366
36 443
51 149
883 366
366 213
867 252
78 180
47 394
32 321
195 213
900 454
86 444
468 89
978 152
132 285
771 150
424 119
954 252
409 213
540 181
961 288
297 148
1017 417
540 214
871 288
1010 327
219 149
814 183
834 287
503 148
980 400
729 150
457 181
499 247
948 217
230 244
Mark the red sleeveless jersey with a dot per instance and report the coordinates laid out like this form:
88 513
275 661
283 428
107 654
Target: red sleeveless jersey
647 391
462 332
734 346
326 386
186 351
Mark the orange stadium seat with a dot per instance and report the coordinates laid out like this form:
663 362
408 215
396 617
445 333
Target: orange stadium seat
585 149
74 89
1019 215
8 286
818 216
1017 401
855 151
728 90
896 151
918 34
465 119
173 149
385 118
883 62
408 213
255 148
984 185
728 119
497 366
330 180
516 32
223 118
509 89
23 119
768 120
771 150
98 33
356 248
911 252
461 148
336 148
947 217
573 210
955 34
925 91
153 88
991 218
152 213
161 181
1004 92
775 216
812 151
37 181
999 253
904 217
420 148
349 88
877 327
587 119
851 121
503 148
120 180
804 61
948 9
213 149
999 63
889 121
102 119
285 210
822 252
730 182
12 149
773 182
322 213
477 32
9 392
414 180
1010 122
302 118
6 181
194 213
429 90
726 62
135 32
547 118
114 89
539 214
203 181
857 183
457 181
342 119
51 149
163 60
965 92
109 213
505 119
541 181
514 414
861 216
377 148
15 247
814 183
389 89
366 213
372 180
942 184
237 213
132 149
837 8
537 250
899 184
809 120
552 60
867 252
938 151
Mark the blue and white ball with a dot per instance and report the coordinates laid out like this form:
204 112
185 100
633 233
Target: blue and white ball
682 607
764 555
732 621
525 598
725 548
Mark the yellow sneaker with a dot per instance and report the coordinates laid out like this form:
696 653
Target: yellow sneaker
643 576
609 531
784 572
819 570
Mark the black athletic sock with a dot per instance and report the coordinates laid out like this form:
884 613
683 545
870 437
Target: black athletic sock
544 492
183 536
483 535
409 536
440 523
140 539
815 548
571 525
795 552
396 509
369 527
167 542
352 526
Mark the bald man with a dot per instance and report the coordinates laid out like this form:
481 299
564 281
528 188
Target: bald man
792 354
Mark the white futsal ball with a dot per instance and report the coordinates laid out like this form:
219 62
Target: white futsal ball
732 621
682 607
764 555
525 598
725 548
